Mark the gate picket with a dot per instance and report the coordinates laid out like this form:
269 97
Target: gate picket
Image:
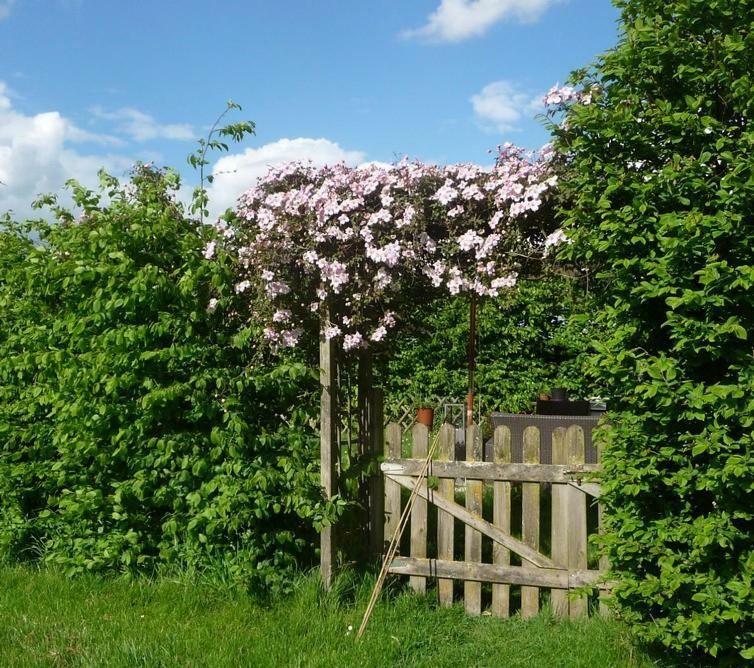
445 521
501 510
472 591
530 519
419 447
576 499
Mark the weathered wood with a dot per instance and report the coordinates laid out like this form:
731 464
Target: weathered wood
419 448
445 521
591 488
472 590
376 488
501 518
530 518
328 441
576 500
492 471
393 437
479 572
477 522
559 522
604 562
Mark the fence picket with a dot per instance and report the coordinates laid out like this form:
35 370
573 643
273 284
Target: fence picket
530 518
576 499
472 591
501 518
559 522
393 438
419 447
445 521
604 562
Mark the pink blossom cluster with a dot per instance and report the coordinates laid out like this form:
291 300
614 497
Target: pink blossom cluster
343 249
562 95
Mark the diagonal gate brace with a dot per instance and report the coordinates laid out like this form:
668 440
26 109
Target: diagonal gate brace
476 522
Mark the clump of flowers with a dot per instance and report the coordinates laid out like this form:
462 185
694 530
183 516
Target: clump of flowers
341 250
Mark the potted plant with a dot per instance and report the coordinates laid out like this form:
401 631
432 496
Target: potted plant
425 412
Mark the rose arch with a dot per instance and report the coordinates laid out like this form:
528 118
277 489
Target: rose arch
345 254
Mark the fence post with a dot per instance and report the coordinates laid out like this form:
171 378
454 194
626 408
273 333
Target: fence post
329 449
376 488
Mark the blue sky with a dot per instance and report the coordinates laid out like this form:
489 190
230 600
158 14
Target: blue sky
85 83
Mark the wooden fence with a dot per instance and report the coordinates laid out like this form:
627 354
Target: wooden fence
501 509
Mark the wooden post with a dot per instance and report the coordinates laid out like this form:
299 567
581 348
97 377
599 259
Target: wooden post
530 518
376 489
472 591
604 562
577 556
329 449
364 420
559 522
420 446
393 438
501 510
445 521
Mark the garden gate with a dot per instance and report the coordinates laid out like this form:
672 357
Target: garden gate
508 493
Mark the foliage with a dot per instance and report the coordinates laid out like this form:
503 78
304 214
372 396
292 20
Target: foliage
198 160
138 427
353 246
661 175
528 340
92 621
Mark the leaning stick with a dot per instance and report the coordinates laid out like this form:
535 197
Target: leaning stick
396 539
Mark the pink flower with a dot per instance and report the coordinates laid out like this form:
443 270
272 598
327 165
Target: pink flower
332 332
209 250
378 334
351 341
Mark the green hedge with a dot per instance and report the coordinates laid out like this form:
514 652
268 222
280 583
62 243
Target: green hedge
662 178
528 341
138 428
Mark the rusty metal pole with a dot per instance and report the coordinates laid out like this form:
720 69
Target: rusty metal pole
472 361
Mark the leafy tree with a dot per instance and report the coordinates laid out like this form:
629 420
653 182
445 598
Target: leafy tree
660 146
140 425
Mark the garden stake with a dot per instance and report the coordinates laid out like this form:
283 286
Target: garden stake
396 539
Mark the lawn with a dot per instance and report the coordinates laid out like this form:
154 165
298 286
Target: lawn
49 620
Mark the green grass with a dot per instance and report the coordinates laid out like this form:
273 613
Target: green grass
48 620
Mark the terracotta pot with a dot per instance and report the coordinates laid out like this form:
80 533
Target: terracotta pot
425 416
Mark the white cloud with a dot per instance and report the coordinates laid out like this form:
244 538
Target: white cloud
143 127
456 20
236 173
36 156
5 8
500 105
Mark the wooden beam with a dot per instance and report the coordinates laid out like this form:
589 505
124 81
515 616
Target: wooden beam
477 522
328 442
489 471
479 572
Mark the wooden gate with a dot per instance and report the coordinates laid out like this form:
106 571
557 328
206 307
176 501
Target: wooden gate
502 505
